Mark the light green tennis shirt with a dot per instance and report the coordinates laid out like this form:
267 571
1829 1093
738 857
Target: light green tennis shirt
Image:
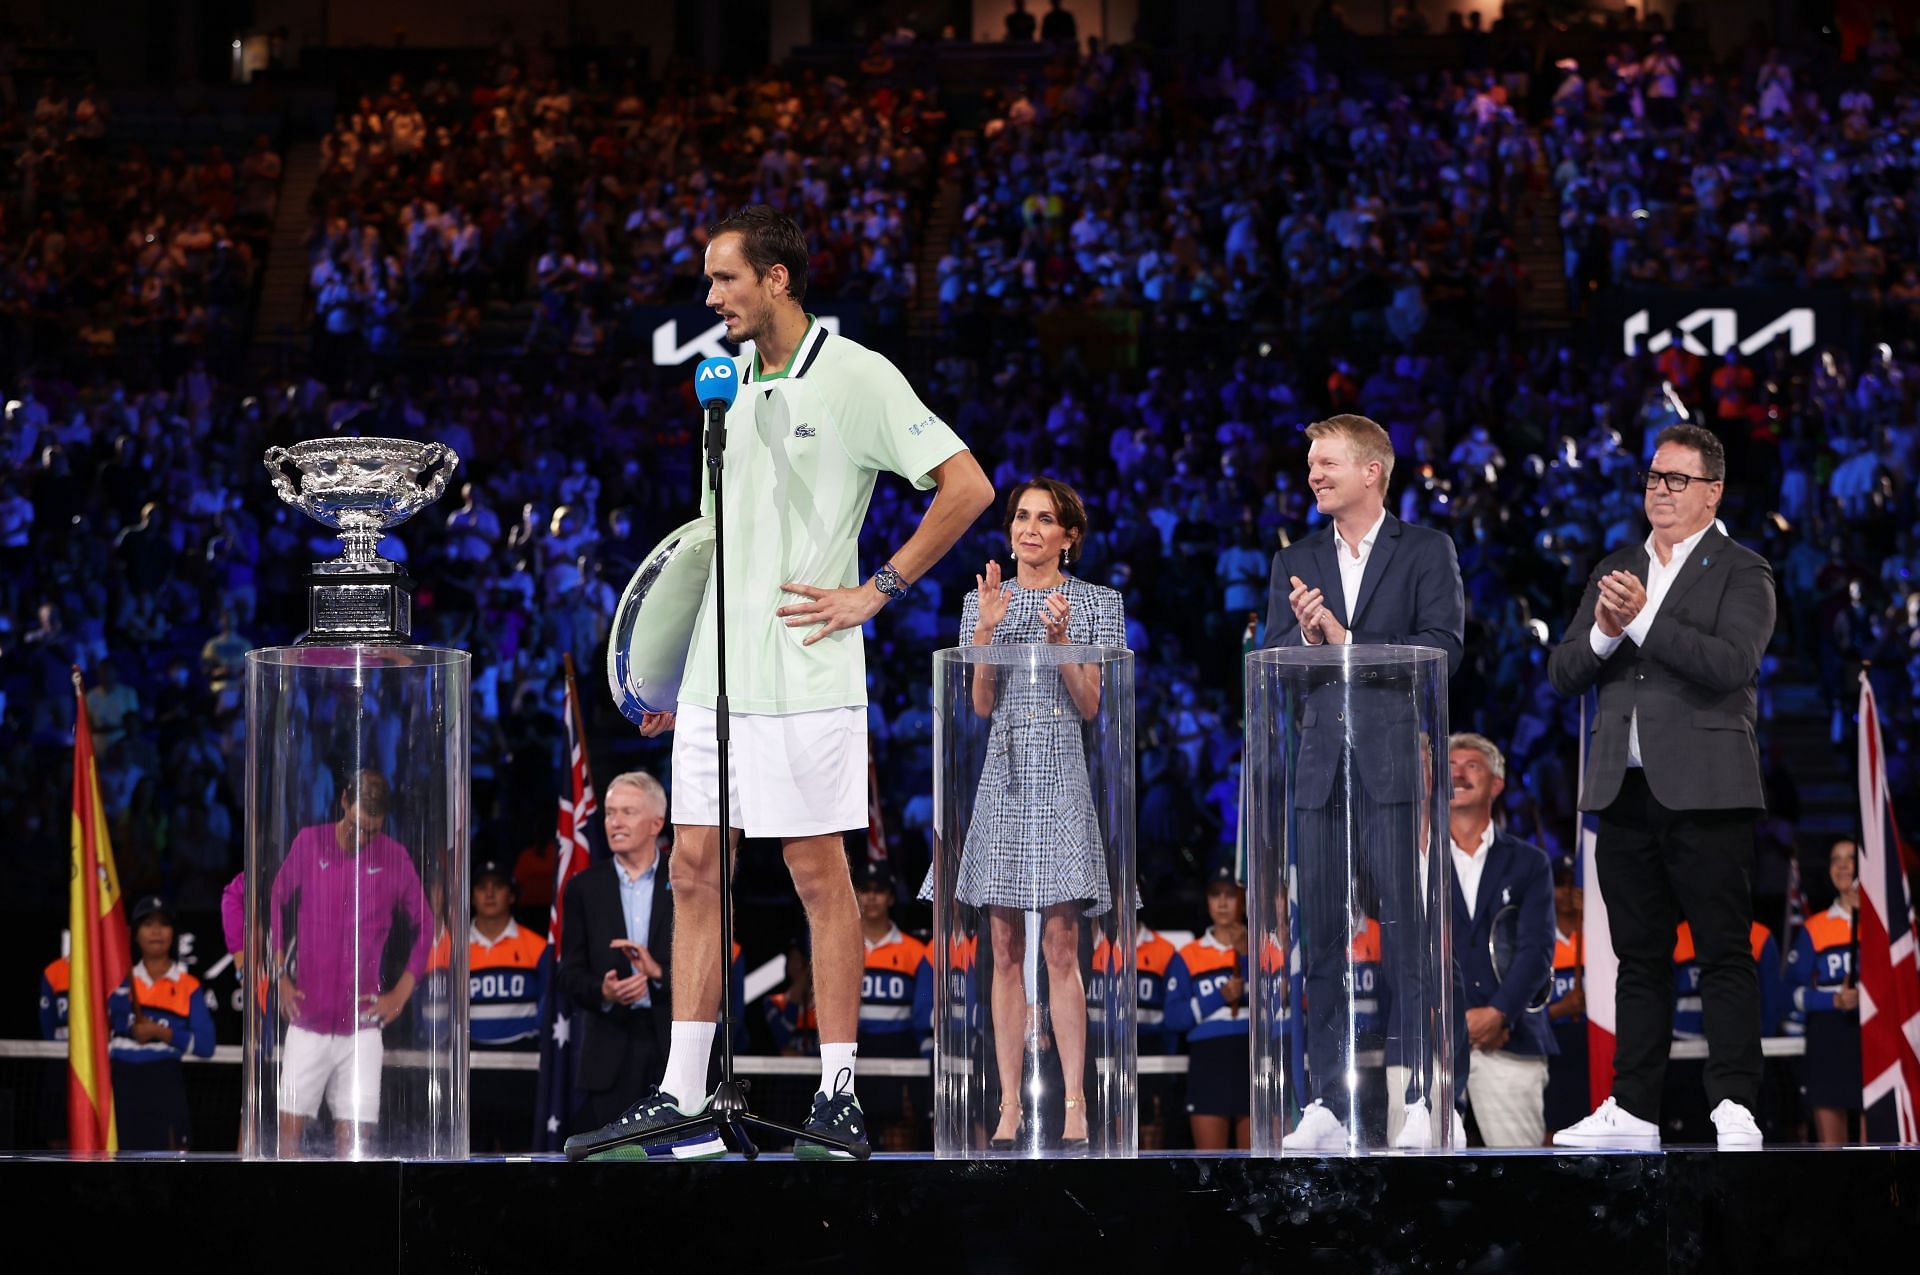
803 450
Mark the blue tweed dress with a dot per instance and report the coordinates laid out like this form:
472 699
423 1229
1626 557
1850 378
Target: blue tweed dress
1034 838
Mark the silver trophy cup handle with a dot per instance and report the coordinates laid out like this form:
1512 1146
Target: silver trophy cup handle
276 460
436 479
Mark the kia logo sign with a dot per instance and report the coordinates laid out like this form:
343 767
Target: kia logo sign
1721 327
709 343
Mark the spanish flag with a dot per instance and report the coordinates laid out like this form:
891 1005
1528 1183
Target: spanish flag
100 960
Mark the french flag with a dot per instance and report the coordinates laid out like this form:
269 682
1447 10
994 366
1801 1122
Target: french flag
1601 970
1889 972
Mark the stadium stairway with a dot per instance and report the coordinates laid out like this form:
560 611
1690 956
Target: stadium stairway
281 319
942 224
1801 733
1538 247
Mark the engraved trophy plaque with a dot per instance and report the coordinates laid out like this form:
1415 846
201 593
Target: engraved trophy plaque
360 487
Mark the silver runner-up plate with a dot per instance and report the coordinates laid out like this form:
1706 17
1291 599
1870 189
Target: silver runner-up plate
653 625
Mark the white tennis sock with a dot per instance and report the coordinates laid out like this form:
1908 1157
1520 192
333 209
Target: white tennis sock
835 1059
688 1055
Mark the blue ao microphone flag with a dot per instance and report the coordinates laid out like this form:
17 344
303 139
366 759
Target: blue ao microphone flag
716 381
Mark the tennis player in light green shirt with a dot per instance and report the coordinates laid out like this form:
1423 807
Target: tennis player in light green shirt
817 419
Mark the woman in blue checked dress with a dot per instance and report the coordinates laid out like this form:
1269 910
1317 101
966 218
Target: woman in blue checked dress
1034 844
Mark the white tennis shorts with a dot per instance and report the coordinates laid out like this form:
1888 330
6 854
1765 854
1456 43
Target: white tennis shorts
345 1069
790 775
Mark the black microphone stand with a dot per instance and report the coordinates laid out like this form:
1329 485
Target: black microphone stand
727 1115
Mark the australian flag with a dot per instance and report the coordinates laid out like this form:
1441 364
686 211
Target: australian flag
559 1048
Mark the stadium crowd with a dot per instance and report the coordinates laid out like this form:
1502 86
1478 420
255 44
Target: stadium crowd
533 214
108 248
1275 245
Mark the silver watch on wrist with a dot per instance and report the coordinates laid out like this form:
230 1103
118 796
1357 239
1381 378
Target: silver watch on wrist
889 581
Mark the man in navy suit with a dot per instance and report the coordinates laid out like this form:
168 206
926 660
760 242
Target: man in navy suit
616 950
1502 894
1364 578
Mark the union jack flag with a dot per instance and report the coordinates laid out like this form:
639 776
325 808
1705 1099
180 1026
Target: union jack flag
558 1051
1889 961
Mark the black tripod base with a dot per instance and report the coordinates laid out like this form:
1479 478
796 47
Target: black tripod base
727 1118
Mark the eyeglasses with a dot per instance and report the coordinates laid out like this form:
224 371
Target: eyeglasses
1676 482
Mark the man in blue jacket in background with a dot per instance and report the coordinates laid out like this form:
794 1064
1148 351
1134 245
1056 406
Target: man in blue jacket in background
1503 940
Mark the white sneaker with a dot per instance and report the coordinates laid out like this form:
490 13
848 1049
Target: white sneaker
1319 1130
1416 1128
1611 1127
1459 1131
1734 1127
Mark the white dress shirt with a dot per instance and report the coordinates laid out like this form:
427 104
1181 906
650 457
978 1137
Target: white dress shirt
1354 568
1660 577
636 905
1467 868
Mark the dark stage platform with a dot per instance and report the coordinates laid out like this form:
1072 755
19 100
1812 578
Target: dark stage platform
1787 1210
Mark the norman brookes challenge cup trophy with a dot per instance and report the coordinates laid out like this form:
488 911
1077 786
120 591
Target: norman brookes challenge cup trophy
360 487
357 836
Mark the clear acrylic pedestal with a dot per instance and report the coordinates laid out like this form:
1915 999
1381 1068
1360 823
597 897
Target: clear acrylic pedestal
356 903
1034 897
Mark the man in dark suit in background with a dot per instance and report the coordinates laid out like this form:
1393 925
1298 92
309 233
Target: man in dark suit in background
1364 578
1672 632
615 952
1502 894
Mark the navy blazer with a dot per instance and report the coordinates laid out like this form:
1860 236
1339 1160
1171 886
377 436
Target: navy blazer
594 919
1409 595
1517 873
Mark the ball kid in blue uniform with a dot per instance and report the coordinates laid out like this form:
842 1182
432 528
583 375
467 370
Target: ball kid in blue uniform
157 1017
507 973
1820 969
1207 1003
896 1010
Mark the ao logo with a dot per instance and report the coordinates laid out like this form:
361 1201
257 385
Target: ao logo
710 343
721 371
1723 327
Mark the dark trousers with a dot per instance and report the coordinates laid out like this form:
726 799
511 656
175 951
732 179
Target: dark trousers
1568 1093
150 1105
640 1070
1658 866
501 1105
1362 852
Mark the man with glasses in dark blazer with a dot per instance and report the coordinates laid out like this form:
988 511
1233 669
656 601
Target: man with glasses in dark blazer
1672 632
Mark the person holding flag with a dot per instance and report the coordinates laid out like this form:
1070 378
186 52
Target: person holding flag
158 1014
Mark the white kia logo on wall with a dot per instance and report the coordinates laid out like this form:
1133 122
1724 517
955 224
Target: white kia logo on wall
709 343
1721 327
